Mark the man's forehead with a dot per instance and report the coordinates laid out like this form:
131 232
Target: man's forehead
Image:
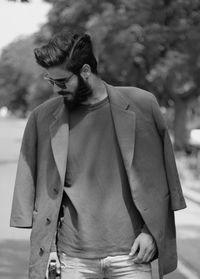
58 72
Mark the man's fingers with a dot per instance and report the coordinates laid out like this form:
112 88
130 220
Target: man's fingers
134 247
147 248
151 255
147 255
140 255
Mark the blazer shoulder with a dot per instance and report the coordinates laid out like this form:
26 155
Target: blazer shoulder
137 94
47 108
140 99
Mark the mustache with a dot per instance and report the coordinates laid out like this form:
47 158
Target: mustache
62 93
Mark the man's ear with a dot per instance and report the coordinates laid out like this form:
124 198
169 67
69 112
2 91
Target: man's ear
85 71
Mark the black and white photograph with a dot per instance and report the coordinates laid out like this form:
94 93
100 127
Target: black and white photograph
100 139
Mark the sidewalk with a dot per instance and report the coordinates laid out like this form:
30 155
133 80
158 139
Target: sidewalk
189 176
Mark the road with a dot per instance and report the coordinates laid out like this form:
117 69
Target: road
14 243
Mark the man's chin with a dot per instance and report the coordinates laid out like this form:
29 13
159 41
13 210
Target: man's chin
70 103
68 96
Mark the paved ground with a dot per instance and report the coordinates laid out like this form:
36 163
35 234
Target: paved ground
14 243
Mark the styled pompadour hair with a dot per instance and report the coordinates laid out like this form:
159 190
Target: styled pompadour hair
72 50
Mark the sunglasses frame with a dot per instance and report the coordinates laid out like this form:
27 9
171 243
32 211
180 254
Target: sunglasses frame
61 83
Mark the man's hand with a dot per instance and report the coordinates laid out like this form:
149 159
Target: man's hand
53 256
146 246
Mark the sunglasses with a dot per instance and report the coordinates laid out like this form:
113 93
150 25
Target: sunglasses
61 82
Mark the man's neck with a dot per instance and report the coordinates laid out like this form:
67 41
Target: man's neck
99 91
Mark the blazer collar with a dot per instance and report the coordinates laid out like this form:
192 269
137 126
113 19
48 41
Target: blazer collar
124 121
115 97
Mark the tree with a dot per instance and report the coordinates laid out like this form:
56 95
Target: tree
175 75
20 77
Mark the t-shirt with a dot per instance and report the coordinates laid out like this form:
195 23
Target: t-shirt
100 218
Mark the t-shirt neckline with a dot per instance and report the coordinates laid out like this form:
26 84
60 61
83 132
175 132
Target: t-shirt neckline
95 105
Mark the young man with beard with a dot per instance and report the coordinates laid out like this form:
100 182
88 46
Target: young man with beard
97 180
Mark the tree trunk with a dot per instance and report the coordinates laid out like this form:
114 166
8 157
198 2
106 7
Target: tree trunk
180 121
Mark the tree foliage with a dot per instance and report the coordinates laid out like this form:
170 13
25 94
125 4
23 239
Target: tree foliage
19 74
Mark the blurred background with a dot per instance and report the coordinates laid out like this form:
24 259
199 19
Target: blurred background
151 44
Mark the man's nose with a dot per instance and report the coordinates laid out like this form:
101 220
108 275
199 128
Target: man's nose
56 88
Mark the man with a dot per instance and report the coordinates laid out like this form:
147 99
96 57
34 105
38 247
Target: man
97 180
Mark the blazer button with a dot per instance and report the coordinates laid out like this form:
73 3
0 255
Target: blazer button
48 221
56 191
41 252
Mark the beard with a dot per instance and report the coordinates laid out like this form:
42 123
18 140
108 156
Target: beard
81 94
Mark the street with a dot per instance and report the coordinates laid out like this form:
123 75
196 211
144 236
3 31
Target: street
14 243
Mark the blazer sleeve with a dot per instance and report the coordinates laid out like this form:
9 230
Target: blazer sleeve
176 194
22 210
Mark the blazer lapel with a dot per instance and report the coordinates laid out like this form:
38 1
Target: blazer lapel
124 123
59 131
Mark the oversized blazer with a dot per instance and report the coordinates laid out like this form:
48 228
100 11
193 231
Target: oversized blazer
147 155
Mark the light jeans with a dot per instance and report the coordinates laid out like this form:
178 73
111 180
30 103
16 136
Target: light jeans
117 267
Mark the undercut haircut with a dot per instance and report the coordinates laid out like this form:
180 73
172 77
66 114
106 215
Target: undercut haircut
72 50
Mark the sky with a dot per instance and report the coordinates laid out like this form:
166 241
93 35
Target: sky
19 19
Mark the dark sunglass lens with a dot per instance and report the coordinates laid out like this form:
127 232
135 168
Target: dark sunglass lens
60 84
